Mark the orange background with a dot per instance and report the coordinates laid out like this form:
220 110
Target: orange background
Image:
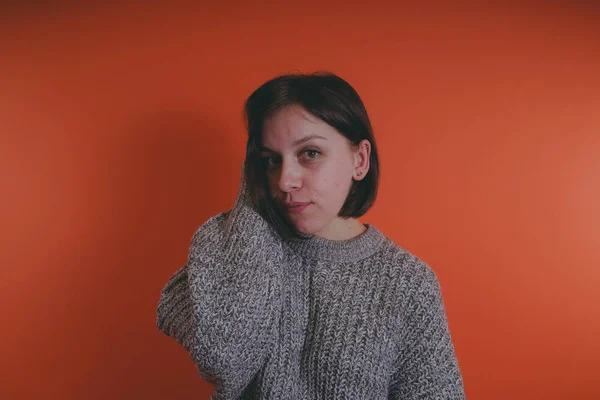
121 133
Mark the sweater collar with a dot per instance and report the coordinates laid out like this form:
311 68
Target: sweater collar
350 250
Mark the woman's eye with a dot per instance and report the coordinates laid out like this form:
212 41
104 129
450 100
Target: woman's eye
312 153
270 161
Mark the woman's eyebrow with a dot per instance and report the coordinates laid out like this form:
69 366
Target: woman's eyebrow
296 142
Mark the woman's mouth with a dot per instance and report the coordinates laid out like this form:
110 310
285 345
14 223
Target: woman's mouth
296 207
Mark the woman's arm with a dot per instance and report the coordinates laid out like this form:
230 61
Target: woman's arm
224 305
426 368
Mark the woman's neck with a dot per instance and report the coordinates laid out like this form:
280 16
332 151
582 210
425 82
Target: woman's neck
345 250
342 229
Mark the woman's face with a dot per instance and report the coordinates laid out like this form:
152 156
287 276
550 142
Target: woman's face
310 167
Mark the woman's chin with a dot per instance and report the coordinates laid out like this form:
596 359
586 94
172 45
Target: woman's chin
305 227
300 226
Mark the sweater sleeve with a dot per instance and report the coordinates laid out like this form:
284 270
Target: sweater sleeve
426 367
223 305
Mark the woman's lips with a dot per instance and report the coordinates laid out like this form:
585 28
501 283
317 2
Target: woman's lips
296 208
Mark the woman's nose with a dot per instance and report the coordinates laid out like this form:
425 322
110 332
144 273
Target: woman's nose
290 177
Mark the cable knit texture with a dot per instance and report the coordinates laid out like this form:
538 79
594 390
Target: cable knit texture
311 318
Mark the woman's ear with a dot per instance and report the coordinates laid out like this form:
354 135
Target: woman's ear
362 155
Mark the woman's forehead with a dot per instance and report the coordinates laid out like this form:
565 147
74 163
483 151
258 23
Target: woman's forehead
293 126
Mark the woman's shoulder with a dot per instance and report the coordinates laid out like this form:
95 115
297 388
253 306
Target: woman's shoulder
405 264
411 281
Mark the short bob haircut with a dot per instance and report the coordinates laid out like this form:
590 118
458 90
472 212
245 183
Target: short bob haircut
327 97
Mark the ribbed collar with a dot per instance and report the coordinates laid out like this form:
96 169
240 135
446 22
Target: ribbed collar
350 250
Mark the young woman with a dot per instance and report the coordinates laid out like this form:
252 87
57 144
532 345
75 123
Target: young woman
288 295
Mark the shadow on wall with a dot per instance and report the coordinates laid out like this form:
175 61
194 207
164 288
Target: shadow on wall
158 185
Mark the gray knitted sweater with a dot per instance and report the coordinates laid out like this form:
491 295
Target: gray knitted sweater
267 318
